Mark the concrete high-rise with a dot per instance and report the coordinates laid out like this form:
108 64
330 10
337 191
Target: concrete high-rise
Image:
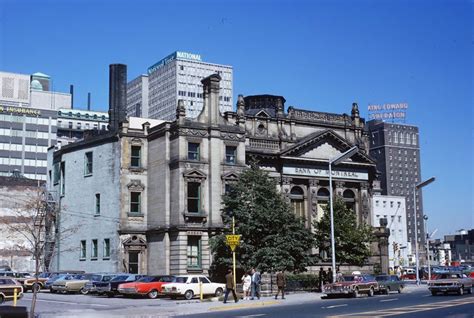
396 149
28 119
177 76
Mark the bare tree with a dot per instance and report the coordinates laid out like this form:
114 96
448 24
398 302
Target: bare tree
32 221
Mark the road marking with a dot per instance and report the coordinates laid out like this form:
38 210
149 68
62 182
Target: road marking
71 303
385 300
244 305
334 306
248 316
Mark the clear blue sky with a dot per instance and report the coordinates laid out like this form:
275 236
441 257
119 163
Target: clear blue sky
320 55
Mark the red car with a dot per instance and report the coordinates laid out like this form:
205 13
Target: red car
148 285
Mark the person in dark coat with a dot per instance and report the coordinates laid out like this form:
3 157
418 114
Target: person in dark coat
229 286
329 276
256 280
322 278
281 284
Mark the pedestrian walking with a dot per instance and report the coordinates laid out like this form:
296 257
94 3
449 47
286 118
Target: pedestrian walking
339 277
246 284
256 280
229 286
281 284
329 276
322 278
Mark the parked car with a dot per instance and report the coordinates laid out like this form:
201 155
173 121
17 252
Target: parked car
188 286
451 282
352 285
49 283
91 286
75 285
150 286
7 289
388 283
111 288
32 283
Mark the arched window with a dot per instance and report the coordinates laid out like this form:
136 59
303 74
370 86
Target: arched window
323 192
297 202
323 201
408 138
395 137
413 140
349 199
400 135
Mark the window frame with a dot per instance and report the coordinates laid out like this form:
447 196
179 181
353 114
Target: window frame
83 250
97 204
94 249
190 257
106 249
138 203
229 156
197 198
137 158
88 165
194 155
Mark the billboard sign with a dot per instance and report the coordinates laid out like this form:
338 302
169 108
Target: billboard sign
390 112
173 56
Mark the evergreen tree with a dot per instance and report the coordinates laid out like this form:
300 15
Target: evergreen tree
352 240
272 237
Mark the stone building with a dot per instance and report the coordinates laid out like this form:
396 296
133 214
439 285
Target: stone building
151 193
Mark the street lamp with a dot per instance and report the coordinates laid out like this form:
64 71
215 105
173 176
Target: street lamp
334 161
415 189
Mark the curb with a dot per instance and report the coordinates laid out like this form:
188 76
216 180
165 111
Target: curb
241 306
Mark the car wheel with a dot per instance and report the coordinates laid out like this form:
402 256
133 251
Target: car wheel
152 294
2 299
399 289
173 297
36 287
189 295
371 292
52 291
219 292
83 291
434 293
387 291
355 294
461 291
110 295
469 290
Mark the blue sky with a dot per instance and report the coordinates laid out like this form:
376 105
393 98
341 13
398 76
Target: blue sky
320 55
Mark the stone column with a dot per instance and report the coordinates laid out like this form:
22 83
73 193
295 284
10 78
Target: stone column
286 187
339 188
313 200
364 210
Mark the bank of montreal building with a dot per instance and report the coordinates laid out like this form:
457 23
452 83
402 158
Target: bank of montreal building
148 197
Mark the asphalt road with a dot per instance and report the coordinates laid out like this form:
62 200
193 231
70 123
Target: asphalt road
413 302
418 303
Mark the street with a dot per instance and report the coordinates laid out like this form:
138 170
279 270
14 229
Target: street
415 301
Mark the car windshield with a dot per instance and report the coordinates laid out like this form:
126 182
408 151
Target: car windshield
381 278
120 278
43 275
349 278
180 279
146 279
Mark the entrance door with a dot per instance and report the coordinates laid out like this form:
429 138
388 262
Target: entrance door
133 262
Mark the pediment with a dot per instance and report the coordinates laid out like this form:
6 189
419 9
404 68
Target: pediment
262 113
322 146
194 174
230 176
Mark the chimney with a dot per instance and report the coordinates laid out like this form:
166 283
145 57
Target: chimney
117 95
88 101
210 113
71 91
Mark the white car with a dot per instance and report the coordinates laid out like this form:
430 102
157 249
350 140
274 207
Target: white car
188 286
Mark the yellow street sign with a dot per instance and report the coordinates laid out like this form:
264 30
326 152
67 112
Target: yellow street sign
232 241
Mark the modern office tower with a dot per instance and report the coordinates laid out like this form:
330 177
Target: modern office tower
177 76
396 149
137 97
28 114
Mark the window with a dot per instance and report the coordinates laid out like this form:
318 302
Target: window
135 159
106 248
193 151
83 250
194 251
88 164
133 262
194 197
391 204
297 202
94 249
70 125
377 203
135 204
97 203
230 155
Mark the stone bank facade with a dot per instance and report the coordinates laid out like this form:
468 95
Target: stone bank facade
156 197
